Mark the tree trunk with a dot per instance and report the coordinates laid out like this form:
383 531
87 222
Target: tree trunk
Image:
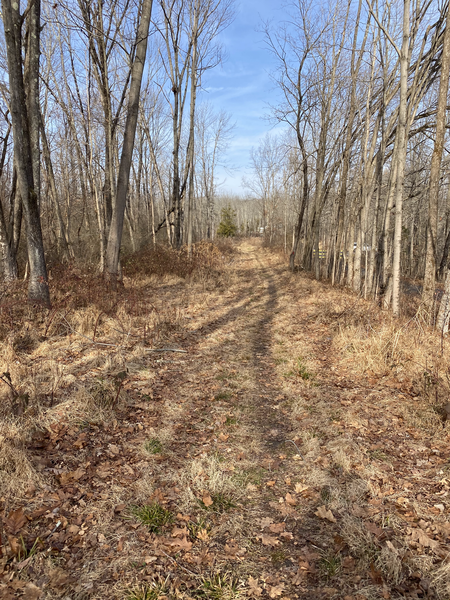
116 229
38 290
433 192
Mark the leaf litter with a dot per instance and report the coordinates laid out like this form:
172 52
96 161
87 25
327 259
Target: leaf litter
360 511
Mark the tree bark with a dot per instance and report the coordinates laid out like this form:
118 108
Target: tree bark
116 228
38 290
433 192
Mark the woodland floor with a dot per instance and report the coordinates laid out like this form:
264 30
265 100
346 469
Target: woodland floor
285 463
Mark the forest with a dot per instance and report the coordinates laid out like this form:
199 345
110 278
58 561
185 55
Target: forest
119 148
212 395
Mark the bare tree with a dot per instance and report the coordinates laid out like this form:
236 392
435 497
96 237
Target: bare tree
25 125
115 232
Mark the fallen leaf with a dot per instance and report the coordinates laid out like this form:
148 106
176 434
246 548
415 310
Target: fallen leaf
180 531
277 527
21 565
150 559
291 500
185 518
375 575
223 437
287 535
203 535
14 545
119 508
299 577
276 590
374 529
417 535
323 513
349 562
207 500
359 511
253 588
15 521
299 488
73 529
266 522
181 544
268 540
270 483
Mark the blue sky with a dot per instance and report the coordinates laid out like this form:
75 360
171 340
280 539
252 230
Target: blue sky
242 86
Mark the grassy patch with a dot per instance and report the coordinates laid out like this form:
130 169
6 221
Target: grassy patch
330 564
231 421
378 455
153 446
152 591
154 516
219 587
278 557
196 527
223 396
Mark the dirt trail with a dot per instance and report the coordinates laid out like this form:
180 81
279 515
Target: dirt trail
284 473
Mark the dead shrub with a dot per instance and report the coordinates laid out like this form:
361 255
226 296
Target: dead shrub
161 260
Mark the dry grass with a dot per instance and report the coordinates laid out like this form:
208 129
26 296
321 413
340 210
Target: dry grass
358 392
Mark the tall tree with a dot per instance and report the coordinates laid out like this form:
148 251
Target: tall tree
25 117
433 190
115 232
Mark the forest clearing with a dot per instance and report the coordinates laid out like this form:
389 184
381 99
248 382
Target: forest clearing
240 431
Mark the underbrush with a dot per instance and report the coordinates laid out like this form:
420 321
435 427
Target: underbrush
404 352
205 257
74 358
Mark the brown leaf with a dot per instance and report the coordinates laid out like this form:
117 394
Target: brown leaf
203 535
291 500
277 527
222 437
120 544
253 588
323 513
268 540
276 590
179 531
14 545
15 521
375 575
417 535
119 508
181 544
300 488
270 483
207 500
21 565
359 511
266 522
185 518
349 562
73 529
374 529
